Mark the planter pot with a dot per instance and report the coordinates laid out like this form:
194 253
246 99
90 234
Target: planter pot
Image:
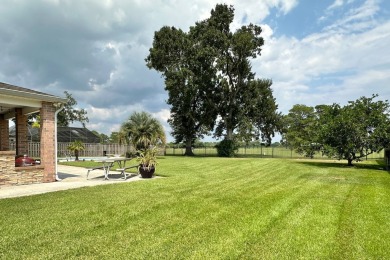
146 172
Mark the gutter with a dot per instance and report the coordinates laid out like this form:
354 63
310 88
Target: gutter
55 141
29 95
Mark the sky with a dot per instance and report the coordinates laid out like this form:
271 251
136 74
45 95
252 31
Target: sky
315 52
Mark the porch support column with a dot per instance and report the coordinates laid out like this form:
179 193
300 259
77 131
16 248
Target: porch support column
21 132
4 134
48 141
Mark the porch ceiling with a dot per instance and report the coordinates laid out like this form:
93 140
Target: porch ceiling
30 101
9 103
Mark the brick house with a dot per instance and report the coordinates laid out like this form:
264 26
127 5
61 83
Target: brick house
17 102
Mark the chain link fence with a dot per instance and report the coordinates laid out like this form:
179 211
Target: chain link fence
97 150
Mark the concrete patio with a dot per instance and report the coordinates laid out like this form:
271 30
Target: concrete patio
72 177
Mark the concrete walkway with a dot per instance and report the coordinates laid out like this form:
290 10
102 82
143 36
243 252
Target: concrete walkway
71 178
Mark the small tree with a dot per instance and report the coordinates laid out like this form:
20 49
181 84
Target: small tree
76 147
66 116
70 114
350 133
356 130
301 131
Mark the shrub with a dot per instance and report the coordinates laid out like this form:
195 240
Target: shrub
227 148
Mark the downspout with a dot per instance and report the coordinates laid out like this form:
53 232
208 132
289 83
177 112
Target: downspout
55 141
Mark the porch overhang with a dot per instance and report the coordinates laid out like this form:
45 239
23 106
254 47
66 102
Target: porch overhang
17 102
29 101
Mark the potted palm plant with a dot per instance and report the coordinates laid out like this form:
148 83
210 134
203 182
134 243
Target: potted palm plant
144 133
147 162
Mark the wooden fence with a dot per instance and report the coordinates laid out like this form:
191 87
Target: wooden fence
91 150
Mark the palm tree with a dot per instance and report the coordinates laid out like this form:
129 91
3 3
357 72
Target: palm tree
122 137
143 130
76 146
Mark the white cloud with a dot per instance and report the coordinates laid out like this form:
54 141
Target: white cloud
331 66
255 11
336 4
163 115
357 19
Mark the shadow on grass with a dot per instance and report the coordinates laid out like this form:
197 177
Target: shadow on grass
371 165
194 156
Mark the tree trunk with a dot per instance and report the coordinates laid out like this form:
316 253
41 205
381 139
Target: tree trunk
350 162
188 151
229 133
76 154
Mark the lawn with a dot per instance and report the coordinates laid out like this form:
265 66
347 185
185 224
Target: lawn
210 208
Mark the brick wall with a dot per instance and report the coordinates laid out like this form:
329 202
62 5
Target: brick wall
4 134
21 132
11 175
48 141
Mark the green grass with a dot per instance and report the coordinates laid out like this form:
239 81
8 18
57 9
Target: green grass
210 208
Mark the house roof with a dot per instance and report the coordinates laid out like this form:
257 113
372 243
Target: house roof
65 134
29 100
70 134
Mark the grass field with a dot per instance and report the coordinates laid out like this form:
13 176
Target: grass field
210 208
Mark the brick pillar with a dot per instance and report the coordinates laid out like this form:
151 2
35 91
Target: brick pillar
4 134
48 141
21 132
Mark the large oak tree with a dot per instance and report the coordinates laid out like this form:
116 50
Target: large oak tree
185 62
244 102
208 73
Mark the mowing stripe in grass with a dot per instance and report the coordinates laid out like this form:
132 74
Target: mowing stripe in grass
210 208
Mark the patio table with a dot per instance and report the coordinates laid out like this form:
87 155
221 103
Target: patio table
109 162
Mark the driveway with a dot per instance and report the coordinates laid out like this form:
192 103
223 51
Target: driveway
71 178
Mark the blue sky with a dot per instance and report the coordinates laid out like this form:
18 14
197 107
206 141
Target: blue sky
316 51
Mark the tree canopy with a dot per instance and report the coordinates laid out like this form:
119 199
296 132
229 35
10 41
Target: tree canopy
301 132
356 130
71 114
209 79
351 132
186 64
66 116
